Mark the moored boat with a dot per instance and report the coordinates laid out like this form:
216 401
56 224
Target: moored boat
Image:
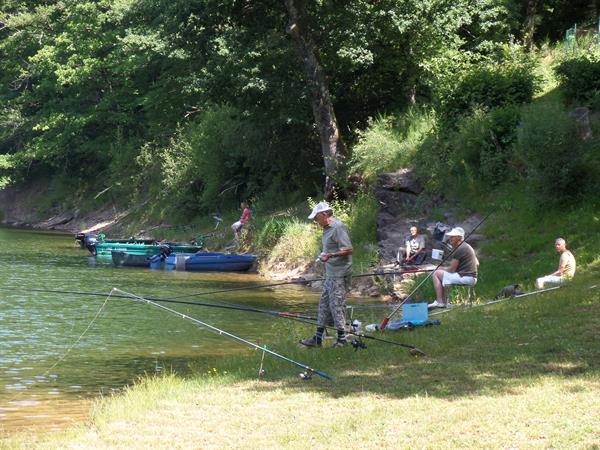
105 249
209 262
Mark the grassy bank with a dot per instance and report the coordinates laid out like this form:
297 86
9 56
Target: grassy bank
523 373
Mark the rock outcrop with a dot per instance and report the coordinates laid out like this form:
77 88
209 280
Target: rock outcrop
404 203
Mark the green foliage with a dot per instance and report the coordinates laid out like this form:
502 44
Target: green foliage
362 223
389 142
548 143
476 153
197 105
579 77
487 86
271 232
484 143
299 242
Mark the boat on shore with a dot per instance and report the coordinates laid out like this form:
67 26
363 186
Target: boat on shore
147 250
99 246
209 262
126 259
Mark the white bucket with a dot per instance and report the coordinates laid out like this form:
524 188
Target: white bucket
437 254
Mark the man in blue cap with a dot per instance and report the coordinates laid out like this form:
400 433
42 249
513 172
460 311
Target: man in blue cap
337 257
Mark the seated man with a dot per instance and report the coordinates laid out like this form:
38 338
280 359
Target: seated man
244 219
462 269
566 267
414 250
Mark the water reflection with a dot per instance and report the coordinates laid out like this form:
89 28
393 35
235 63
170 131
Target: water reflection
125 340
52 362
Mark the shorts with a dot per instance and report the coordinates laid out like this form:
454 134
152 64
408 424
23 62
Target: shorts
456 278
541 282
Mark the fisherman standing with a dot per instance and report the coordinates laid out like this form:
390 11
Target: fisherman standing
337 257
566 267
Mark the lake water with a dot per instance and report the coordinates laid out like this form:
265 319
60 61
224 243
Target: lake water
59 351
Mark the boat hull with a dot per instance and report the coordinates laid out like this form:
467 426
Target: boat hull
126 259
209 262
104 250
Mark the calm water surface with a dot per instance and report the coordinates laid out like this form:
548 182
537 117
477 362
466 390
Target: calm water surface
49 372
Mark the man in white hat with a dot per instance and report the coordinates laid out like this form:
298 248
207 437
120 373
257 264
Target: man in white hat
462 269
337 257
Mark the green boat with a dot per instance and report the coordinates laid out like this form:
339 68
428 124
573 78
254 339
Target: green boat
104 250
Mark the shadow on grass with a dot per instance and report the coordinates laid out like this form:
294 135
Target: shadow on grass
483 351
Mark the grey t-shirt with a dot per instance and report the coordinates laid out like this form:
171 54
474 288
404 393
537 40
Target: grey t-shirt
417 243
335 239
467 260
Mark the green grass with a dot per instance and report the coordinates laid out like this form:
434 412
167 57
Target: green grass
520 374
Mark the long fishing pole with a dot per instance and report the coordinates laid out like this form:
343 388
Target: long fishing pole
385 321
493 302
284 283
163 300
292 316
309 370
313 321
281 314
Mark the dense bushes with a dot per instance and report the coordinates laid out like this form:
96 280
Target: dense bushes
489 134
219 158
489 86
580 78
559 165
389 142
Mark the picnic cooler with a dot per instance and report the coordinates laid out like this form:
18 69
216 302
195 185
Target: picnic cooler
415 313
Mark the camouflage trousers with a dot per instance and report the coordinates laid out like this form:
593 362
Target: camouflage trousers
332 306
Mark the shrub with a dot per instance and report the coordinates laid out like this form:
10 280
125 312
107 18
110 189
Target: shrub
298 241
271 232
489 86
479 149
547 141
579 77
389 142
496 160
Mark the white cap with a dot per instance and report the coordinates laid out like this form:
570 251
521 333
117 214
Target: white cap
458 231
319 207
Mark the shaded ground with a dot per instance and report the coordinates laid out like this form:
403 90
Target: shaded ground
20 207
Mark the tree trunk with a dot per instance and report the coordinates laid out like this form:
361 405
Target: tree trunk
332 146
532 8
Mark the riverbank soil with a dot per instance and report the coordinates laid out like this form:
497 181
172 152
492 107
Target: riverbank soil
20 207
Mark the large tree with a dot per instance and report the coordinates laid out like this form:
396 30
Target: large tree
332 145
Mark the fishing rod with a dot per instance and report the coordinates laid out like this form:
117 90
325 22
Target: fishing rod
282 314
308 370
284 283
353 331
385 321
297 317
182 302
493 302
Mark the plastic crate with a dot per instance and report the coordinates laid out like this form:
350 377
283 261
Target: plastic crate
416 313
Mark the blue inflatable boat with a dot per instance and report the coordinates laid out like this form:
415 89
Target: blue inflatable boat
209 262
